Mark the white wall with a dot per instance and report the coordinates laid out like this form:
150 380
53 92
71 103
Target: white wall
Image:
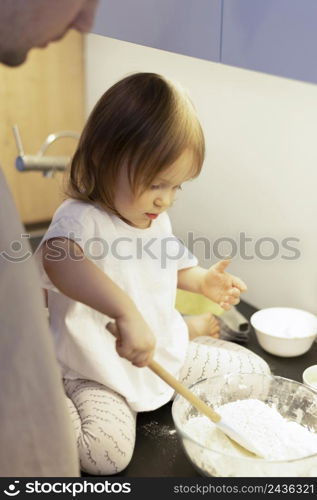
260 173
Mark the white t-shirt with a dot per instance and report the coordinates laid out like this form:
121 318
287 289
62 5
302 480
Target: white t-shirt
144 263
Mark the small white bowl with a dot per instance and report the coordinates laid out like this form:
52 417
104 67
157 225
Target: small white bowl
285 331
310 376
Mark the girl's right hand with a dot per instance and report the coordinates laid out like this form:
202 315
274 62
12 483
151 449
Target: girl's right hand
135 340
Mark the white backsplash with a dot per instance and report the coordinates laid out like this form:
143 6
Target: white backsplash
260 175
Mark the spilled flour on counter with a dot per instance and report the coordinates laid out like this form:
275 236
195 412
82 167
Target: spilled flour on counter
276 437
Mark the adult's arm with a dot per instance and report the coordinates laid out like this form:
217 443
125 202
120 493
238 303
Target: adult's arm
36 437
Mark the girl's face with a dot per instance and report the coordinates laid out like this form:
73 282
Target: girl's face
140 210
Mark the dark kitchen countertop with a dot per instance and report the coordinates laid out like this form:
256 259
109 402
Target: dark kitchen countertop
158 452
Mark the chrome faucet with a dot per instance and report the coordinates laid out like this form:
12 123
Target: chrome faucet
41 162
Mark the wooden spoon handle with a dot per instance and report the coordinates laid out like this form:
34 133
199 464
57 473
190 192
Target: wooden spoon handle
178 386
186 393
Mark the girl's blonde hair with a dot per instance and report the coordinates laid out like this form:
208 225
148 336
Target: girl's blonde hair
143 122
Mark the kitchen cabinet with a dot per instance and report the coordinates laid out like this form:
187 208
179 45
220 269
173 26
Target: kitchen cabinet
272 36
44 95
183 26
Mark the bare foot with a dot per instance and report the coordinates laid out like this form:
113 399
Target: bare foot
202 324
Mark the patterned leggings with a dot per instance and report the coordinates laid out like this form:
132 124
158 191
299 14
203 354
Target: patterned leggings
105 425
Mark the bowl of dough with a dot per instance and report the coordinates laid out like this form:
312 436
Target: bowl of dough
285 331
290 404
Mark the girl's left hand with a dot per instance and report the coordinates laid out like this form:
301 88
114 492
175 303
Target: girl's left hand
221 287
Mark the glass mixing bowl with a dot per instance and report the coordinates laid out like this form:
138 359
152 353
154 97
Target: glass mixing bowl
294 401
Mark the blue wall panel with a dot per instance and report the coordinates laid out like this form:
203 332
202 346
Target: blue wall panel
273 36
190 27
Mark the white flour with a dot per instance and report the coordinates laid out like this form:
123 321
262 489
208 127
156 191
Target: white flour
276 437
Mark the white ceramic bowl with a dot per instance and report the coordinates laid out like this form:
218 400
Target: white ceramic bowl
285 331
310 377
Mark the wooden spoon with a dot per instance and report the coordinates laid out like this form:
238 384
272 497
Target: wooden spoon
216 418
181 389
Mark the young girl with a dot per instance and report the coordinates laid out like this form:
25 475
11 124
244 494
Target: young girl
112 264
